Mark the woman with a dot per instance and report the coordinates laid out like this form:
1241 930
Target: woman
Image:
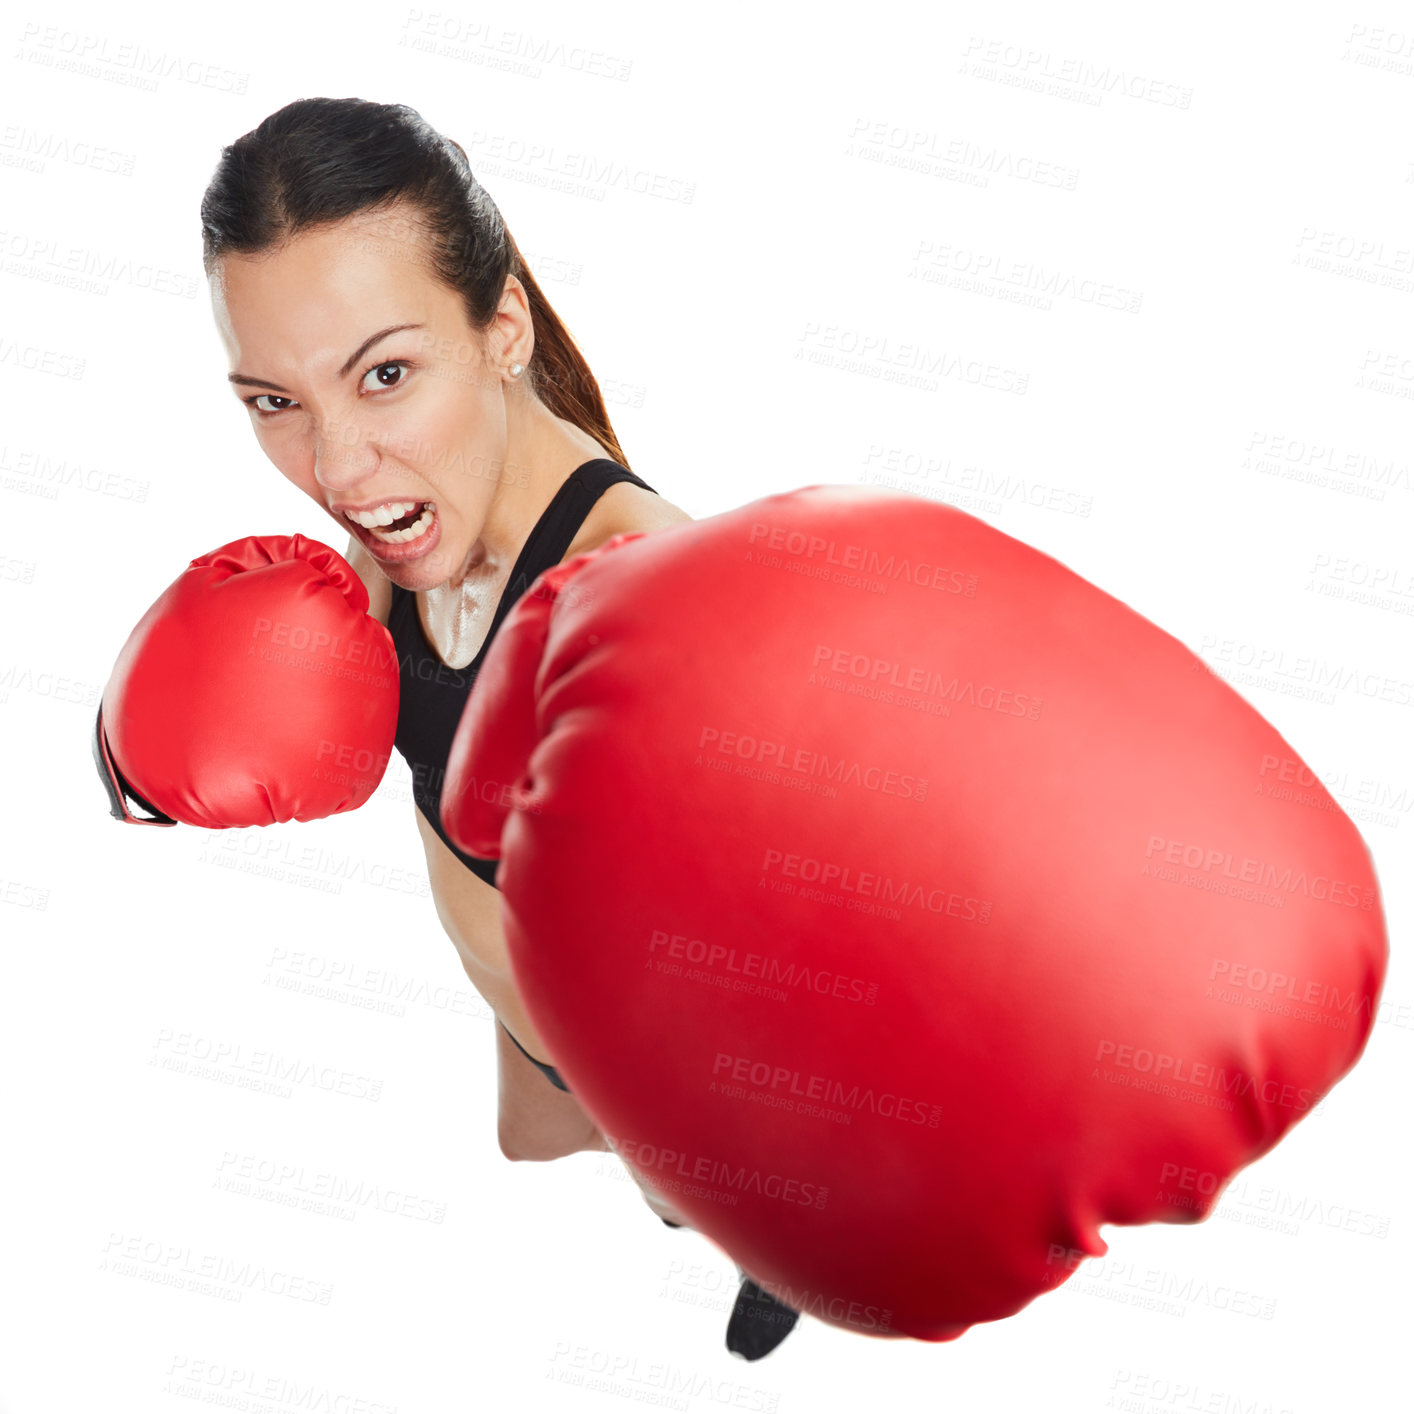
403 369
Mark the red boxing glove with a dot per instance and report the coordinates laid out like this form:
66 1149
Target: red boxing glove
256 690
904 906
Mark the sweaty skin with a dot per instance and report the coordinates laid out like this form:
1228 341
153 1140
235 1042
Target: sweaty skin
428 413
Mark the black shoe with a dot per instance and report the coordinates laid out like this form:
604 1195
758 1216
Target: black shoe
759 1323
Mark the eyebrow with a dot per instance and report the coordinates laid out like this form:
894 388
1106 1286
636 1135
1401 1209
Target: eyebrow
353 358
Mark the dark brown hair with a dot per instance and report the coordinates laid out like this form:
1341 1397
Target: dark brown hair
319 160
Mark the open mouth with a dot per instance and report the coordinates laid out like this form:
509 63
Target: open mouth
397 523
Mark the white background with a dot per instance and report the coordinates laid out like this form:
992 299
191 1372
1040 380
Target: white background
734 212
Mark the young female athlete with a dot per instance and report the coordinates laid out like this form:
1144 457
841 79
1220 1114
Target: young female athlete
404 370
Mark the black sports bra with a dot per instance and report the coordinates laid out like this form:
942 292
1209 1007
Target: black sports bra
432 694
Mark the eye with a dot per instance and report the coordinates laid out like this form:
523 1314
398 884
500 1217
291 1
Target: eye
380 370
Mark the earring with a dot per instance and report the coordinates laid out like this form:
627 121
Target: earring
517 369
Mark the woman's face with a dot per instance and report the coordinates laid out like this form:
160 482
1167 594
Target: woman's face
400 436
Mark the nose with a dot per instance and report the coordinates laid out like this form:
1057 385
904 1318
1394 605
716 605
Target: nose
343 455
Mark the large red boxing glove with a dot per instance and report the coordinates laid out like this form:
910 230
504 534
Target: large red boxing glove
905 906
256 690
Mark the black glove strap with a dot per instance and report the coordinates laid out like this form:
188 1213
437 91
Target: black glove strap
116 784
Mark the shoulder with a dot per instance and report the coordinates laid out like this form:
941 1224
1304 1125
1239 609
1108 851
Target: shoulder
625 507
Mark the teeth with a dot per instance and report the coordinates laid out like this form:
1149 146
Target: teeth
385 514
418 527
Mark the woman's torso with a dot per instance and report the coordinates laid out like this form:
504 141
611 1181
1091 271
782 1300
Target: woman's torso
578 518
432 694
